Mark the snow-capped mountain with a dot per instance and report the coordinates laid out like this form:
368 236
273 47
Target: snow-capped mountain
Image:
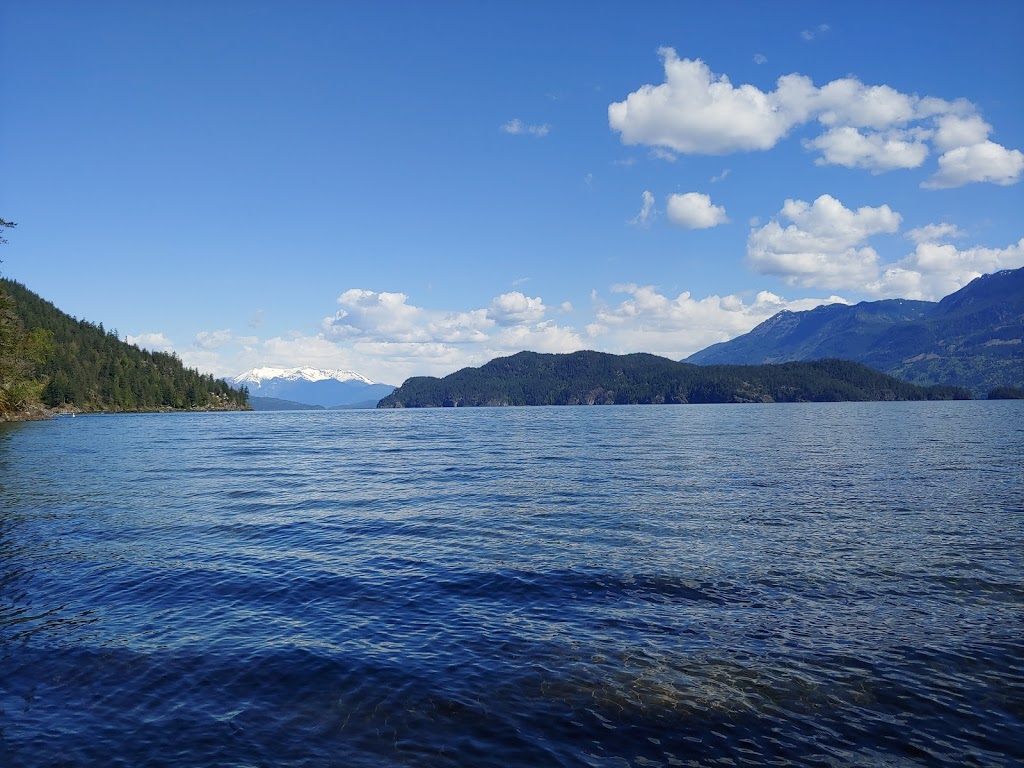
312 386
258 375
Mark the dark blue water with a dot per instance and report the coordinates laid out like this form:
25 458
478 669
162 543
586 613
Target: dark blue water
821 584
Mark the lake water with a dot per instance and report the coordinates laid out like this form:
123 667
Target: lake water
819 584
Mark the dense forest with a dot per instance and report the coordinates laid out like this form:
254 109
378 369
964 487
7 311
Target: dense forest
48 358
597 378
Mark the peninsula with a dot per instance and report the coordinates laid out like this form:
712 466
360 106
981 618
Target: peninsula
597 378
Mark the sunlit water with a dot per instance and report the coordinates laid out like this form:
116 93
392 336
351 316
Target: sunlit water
827 584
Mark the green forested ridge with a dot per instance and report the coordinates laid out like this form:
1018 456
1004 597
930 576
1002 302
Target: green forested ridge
597 378
20 354
1006 393
64 362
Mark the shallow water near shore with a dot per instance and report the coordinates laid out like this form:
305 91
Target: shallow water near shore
818 584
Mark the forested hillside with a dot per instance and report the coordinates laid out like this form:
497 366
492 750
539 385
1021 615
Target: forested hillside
51 357
597 378
972 338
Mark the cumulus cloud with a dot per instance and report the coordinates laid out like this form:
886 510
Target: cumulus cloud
388 316
542 337
826 246
647 213
876 152
213 339
823 246
931 233
696 111
388 338
954 131
678 326
986 161
936 269
382 323
154 342
517 127
694 210
874 127
515 308
848 101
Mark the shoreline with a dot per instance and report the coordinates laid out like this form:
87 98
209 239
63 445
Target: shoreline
42 413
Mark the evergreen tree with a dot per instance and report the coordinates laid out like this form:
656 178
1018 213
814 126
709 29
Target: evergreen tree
82 365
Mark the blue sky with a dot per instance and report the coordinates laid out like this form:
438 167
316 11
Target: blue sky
410 188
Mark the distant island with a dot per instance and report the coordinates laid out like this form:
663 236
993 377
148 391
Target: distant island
598 378
50 361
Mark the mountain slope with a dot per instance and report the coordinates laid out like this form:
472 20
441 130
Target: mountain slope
598 378
972 338
90 369
257 376
312 386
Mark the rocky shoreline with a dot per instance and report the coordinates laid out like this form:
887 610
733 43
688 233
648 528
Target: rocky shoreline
42 413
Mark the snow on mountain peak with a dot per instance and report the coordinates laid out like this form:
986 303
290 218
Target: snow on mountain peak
305 373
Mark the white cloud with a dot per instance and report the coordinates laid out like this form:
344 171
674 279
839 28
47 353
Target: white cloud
647 212
154 342
542 337
936 269
876 152
515 308
385 337
875 127
931 233
810 34
955 131
213 339
675 327
694 210
824 245
849 102
660 153
720 177
698 112
986 161
517 127
386 316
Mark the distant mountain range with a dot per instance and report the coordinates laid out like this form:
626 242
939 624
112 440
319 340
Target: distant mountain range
310 387
973 338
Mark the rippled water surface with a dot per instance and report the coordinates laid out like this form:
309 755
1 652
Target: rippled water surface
820 584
